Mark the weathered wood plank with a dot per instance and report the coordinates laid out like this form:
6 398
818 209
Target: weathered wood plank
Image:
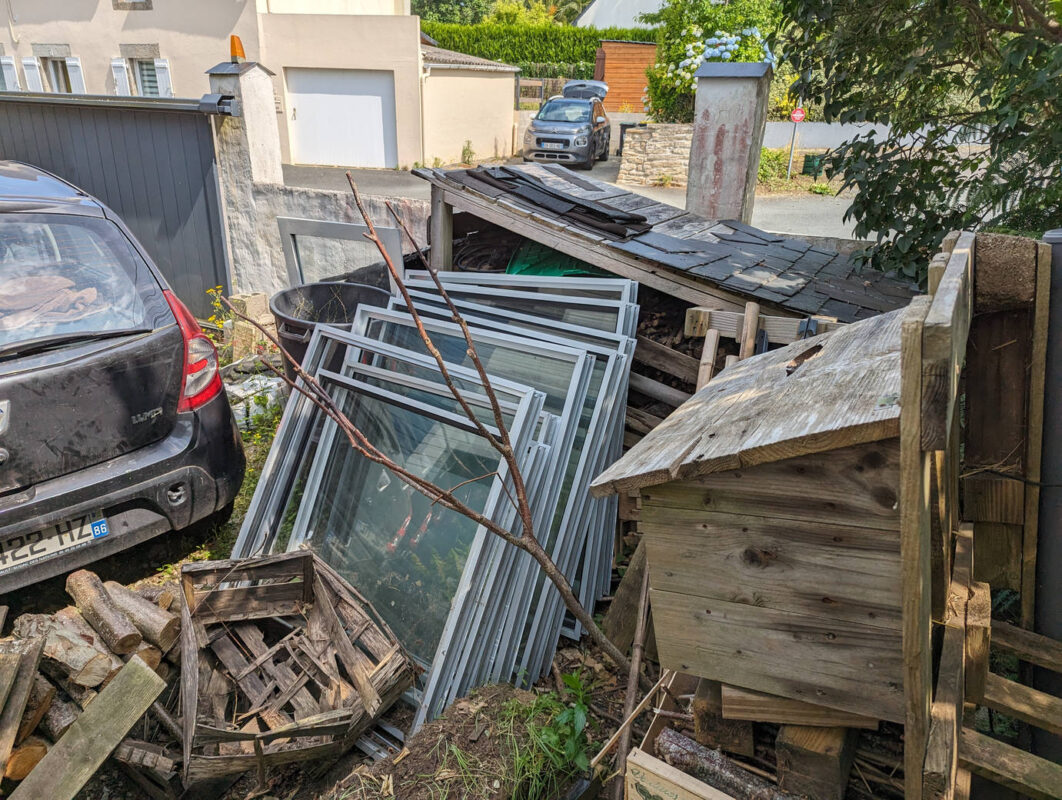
833 663
709 354
648 776
441 231
978 640
750 326
1028 646
997 554
667 359
947 325
622 614
856 486
789 565
738 703
915 566
1008 766
29 655
99 729
993 498
711 729
1022 702
780 330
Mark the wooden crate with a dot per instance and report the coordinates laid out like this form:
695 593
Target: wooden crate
282 661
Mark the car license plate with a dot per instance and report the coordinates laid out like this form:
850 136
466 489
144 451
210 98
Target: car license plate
25 548
552 146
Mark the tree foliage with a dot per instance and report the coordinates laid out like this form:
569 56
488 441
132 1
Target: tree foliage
687 27
970 92
459 12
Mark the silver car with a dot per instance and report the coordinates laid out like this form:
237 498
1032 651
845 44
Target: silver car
572 128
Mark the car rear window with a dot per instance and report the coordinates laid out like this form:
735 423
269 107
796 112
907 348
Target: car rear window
66 275
565 111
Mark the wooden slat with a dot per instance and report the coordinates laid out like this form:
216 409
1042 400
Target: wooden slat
709 354
997 549
94 735
649 777
941 760
1010 767
993 498
29 655
837 664
1028 646
946 327
667 359
1034 431
1022 702
780 330
796 566
978 640
915 567
746 704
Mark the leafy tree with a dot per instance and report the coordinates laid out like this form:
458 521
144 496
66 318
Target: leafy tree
521 12
463 12
970 90
696 30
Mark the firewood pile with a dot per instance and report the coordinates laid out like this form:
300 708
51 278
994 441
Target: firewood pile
291 664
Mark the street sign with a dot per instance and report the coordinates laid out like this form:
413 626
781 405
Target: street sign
797 114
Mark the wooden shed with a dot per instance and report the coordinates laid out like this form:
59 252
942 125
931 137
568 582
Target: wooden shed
622 66
770 515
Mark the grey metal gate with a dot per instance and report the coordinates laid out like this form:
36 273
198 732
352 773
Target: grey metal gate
151 160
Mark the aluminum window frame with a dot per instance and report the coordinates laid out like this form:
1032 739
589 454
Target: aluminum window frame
621 289
290 227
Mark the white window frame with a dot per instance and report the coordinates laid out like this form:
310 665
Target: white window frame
10 70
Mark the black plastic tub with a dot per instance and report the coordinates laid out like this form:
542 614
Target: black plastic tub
300 309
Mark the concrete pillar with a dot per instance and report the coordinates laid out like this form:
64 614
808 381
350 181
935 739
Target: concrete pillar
728 123
248 153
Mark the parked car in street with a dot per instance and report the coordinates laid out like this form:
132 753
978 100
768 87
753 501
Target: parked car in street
571 128
114 425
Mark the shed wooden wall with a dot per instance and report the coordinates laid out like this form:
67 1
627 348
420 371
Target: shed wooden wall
784 578
624 69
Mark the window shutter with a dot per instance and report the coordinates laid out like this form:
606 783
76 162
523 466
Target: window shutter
121 77
77 76
32 68
162 72
10 71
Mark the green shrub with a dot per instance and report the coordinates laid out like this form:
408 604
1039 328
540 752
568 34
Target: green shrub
521 45
773 164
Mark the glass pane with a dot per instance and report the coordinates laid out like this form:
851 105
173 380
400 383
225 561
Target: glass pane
147 80
566 310
404 554
323 258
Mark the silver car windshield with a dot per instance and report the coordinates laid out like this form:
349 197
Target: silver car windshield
565 111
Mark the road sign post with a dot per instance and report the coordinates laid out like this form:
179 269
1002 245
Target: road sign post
797 115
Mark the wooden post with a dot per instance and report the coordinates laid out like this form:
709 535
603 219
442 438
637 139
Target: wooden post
814 761
441 256
749 329
708 355
709 727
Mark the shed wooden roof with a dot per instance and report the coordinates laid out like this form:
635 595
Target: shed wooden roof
826 392
721 264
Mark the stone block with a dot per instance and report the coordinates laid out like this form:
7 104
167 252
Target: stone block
254 305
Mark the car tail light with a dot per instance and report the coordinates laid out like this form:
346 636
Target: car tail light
201 380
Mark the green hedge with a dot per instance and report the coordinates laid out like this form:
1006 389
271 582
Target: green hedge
532 45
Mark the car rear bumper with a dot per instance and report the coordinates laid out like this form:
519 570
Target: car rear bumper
166 486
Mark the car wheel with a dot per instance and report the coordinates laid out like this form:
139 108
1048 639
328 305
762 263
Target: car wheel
605 149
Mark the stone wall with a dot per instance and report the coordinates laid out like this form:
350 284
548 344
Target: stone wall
658 154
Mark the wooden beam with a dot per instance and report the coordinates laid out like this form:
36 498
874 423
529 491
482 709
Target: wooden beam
944 334
978 640
915 567
666 359
657 390
709 353
1027 646
1022 702
1034 432
815 762
441 231
750 326
711 729
780 330
946 714
761 707
94 735
1008 766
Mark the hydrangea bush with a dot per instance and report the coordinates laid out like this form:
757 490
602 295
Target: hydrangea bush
739 29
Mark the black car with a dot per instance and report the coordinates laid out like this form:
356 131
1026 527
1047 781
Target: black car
114 425
571 128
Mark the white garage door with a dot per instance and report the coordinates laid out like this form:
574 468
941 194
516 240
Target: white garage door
342 117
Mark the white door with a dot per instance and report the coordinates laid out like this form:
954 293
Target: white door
342 117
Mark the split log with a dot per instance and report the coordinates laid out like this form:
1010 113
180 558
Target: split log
157 625
149 654
29 653
42 693
101 612
714 768
25 757
65 654
70 618
60 716
163 595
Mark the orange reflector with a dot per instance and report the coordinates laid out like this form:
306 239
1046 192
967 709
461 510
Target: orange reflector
236 49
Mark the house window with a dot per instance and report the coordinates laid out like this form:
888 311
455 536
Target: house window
58 74
146 76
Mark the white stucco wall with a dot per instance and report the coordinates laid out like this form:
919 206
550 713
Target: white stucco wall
468 105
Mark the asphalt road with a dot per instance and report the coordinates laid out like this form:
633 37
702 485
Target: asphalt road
807 214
